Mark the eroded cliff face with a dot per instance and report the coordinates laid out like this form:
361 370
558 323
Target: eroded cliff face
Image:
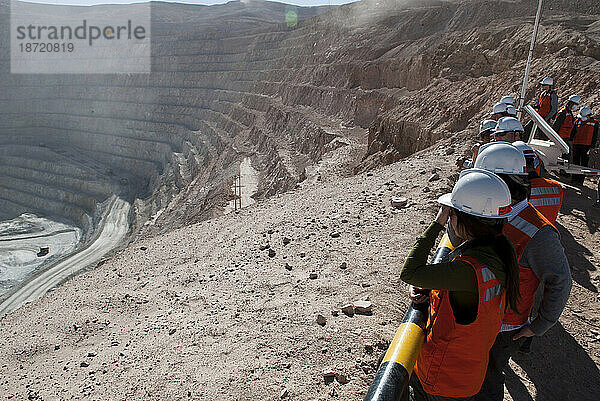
463 69
235 81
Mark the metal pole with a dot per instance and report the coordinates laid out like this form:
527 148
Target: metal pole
235 193
526 78
240 186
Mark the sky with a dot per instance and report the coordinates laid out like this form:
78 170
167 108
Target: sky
205 2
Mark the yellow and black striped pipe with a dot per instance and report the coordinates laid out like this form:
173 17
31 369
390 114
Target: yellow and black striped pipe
443 250
391 380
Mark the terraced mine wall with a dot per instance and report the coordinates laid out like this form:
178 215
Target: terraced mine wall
237 80
68 142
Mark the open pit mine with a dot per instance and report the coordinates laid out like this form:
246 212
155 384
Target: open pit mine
93 160
220 202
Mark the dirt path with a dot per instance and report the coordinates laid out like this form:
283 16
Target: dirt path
112 232
20 241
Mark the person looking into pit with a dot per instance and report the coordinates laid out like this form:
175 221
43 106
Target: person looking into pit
486 131
584 137
498 111
469 294
509 101
542 261
508 129
546 195
486 128
565 119
547 101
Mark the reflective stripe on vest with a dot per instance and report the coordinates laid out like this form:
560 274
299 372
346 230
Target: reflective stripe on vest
487 274
545 202
585 132
492 292
520 230
523 225
546 196
567 126
544 191
453 360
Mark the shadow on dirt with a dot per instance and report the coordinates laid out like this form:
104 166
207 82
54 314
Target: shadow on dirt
558 367
578 202
578 255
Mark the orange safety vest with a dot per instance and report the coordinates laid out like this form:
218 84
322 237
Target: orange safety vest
567 126
520 230
546 196
545 103
454 357
584 132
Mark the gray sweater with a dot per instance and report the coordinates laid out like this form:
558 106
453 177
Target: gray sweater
545 255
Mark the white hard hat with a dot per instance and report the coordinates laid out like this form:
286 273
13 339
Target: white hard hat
499 108
511 110
509 124
487 125
584 112
547 81
524 148
479 193
575 99
509 100
501 158
528 152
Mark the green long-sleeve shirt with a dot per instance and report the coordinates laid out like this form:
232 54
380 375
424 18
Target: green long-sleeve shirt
456 276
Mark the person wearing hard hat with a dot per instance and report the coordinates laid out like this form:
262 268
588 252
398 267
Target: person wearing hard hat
470 294
511 111
508 100
498 111
546 195
584 137
486 129
565 119
547 101
508 129
542 261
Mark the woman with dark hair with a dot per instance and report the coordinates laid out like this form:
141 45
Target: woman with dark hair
469 294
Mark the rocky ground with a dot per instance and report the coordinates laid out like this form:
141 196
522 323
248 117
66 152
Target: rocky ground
228 309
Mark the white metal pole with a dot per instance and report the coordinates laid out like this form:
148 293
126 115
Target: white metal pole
524 88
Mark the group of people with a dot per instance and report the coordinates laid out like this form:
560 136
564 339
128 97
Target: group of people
500 215
574 124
